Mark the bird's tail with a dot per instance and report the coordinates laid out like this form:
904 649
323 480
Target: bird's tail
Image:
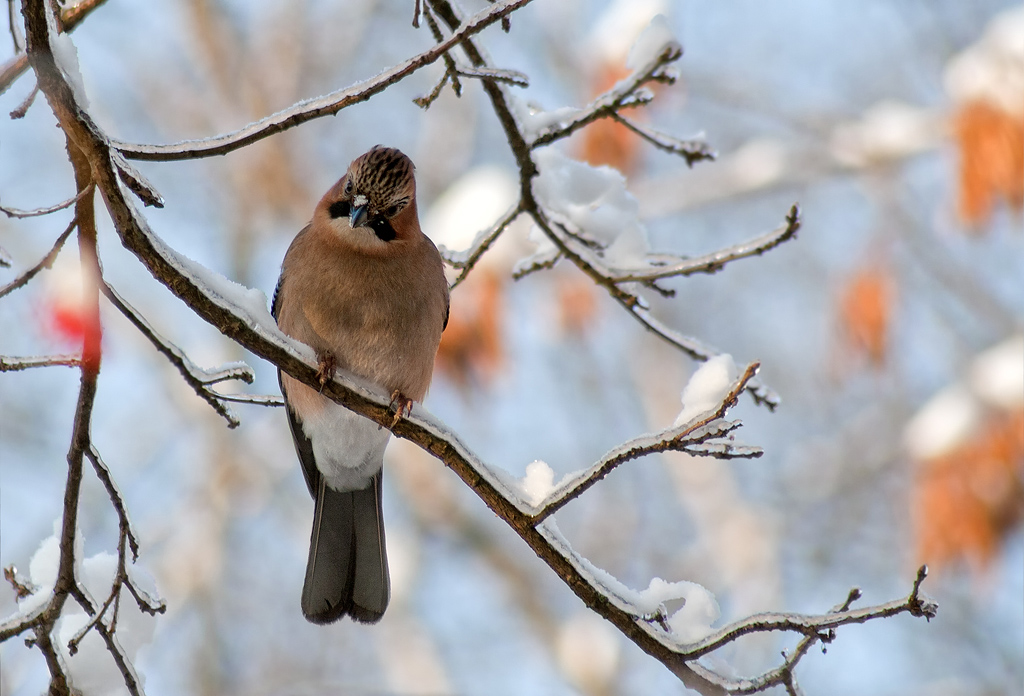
347 570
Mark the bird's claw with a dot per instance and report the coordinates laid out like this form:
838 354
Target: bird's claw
401 405
325 372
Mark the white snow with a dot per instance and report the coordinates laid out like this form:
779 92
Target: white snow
615 32
650 43
538 483
888 130
470 206
707 387
699 611
997 375
588 651
688 624
995 380
66 56
251 301
92 668
943 423
758 162
992 69
42 572
594 200
533 119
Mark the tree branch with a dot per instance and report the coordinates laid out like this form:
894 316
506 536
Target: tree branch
321 106
627 93
45 262
16 213
70 18
715 261
196 377
707 426
10 363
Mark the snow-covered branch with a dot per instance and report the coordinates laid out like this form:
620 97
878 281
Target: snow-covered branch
71 16
715 261
318 107
10 363
628 93
705 428
201 380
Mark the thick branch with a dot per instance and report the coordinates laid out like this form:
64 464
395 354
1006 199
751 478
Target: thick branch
70 18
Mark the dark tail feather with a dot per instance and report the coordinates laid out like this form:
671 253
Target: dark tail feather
347 571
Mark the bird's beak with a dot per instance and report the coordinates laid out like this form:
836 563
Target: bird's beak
357 218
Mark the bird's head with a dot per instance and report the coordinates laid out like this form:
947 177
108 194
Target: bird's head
375 202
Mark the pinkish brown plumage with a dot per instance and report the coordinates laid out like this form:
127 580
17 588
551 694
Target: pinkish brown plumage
365 289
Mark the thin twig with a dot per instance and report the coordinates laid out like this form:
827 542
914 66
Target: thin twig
196 377
327 105
697 431
21 110
467 259
16 213
45 262
693 150
715 261
116 499
627 93
10 363
449 60
70 18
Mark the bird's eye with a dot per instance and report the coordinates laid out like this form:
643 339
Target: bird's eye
339 209
392 210
348 187
383 229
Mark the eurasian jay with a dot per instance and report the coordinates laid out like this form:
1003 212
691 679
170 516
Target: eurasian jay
365 289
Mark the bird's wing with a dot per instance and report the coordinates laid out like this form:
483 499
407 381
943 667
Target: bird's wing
304 448
303 445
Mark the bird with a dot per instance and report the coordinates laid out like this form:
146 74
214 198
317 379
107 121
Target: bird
365 289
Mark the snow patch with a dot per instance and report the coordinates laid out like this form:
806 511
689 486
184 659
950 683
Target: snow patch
613 35
997 375
92 668
594 200
65 55
651 42
707 388
944 422
688 624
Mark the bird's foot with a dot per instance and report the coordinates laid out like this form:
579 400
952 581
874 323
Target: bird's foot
401 405
325 373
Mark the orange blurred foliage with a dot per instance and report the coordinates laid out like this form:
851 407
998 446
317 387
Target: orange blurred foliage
471 346
577 304
865 309
990 142
606 141
966 500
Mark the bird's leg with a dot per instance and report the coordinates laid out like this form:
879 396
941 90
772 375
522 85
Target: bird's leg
325 373
401 404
